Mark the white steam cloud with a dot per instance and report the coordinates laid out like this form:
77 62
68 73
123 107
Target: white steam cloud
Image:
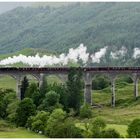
120 53
136 53
73 55
98 55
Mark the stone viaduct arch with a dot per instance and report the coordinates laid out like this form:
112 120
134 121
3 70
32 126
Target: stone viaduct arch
19 77
112 77
88 73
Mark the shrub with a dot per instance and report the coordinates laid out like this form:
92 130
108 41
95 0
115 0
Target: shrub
52 98
6 100
37 123
71 131
25 109
56 118
86 111
4 125
110 133
96 127
11 111
31 89
134 129
100 82
67 129
50 102
62 91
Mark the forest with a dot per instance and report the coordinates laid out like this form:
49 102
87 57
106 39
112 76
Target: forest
60 28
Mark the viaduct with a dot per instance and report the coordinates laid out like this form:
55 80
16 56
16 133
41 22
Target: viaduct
88 74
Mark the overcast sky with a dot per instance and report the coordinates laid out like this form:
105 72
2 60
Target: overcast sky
6 6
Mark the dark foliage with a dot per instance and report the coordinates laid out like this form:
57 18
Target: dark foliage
24 86
134 129
110 133
74 89
25 109
100 82
86 111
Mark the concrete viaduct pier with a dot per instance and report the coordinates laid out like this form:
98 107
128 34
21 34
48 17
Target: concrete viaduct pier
88 74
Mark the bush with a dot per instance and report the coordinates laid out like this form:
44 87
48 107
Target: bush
36 98
70 130
25 109
7 99
50 102
4 125
86 111
110 133
31 89
62 91
38 123
11 111
96 127
134 129
56 119
100 82
52 98
60 127
67 129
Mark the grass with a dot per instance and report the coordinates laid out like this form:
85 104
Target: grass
19 133
8 82
9 131
126 108
122 129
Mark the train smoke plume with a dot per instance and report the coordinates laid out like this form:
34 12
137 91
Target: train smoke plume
73 55
120 53
136 53
98 55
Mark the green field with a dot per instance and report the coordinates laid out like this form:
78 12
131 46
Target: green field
9 131
7 81
122 129
126 108
19 133
125 111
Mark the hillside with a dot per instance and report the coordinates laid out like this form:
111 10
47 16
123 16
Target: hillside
61 27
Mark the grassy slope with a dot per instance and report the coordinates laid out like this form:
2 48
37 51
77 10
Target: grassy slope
9 131
122 129
7 81
126 107
19 133
125 111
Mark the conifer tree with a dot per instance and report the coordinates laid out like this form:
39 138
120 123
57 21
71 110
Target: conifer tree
24 87
74 89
